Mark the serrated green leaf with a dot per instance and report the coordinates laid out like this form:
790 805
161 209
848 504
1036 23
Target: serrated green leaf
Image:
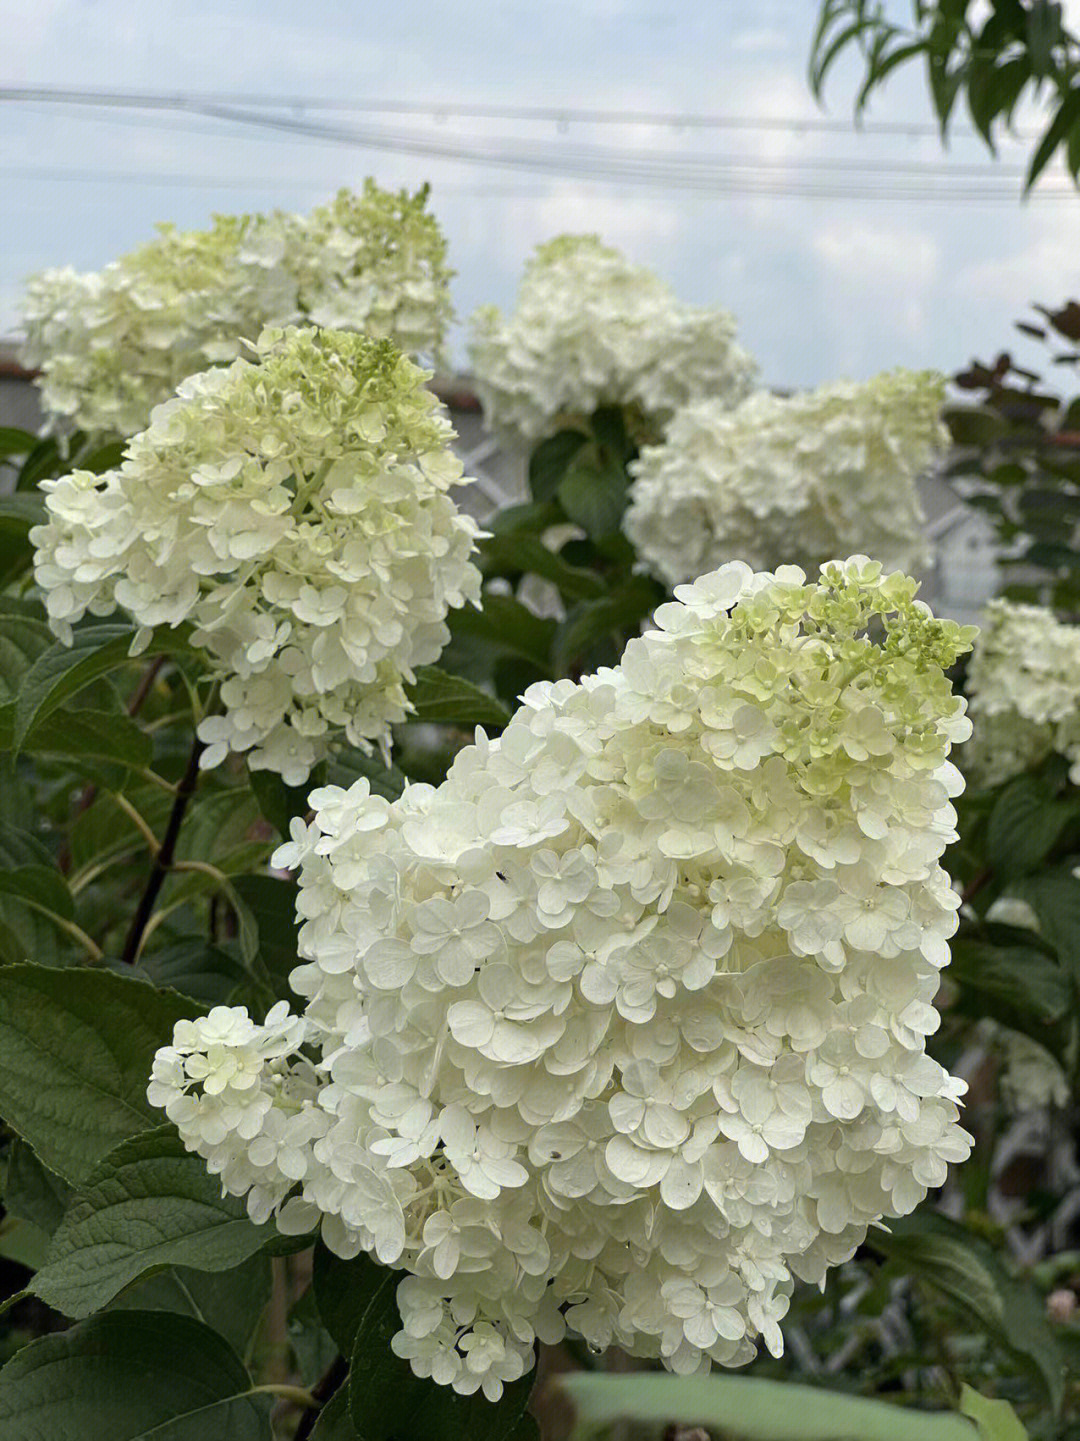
106 743
149 1204
75 1053
63 671
348 765
130 1376
743 1408
280 803
195 968
439 697
506 627
621 613
22 639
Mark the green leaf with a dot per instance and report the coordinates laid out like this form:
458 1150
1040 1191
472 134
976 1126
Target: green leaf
148 1205
518 554
130 1376
23 1242
387 1402
349 764
272 907
22 639
965 1269
229 1302
742 1408
1058 131
278 802
42 887
994 1420
62 671
206 973
506 627
977 425
16 442
620 613
32 1191
75 1053
335 1423
1019 986
594 492
550 460
1024 826
107 743
450 700
1054 895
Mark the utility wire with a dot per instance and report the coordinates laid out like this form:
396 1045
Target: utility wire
549 114
734 185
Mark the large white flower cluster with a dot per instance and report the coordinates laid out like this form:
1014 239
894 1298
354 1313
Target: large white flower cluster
1024 685
113 344
797 478
590 330
295 509
623 1024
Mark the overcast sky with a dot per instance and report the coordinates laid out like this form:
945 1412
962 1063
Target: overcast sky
823 286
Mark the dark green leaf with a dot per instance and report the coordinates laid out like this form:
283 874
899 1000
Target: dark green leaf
348 765
32 1191
387 1402
272 907
549 461
450 700
1057 133
147 1205
206 973
62 671
522 554
229 1302
75 1054
1054 895
22 639
16 442
1018 986
594 492
620 613
1025 824
130 1376
278 802
335 1423
506 627
102 743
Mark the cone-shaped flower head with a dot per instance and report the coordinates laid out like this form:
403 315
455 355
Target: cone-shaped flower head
295 509
623 1024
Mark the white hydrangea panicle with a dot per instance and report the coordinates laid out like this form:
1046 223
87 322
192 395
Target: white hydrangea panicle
798 478
623 1026
1024 685
590 330
295 509
111 345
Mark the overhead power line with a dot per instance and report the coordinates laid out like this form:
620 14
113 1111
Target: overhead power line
436 108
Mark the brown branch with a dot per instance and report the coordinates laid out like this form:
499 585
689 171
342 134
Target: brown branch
983 878
164 859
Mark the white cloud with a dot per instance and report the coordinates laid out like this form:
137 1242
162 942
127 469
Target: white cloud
901 263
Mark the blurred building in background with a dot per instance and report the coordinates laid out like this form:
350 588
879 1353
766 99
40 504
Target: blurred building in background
963 573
